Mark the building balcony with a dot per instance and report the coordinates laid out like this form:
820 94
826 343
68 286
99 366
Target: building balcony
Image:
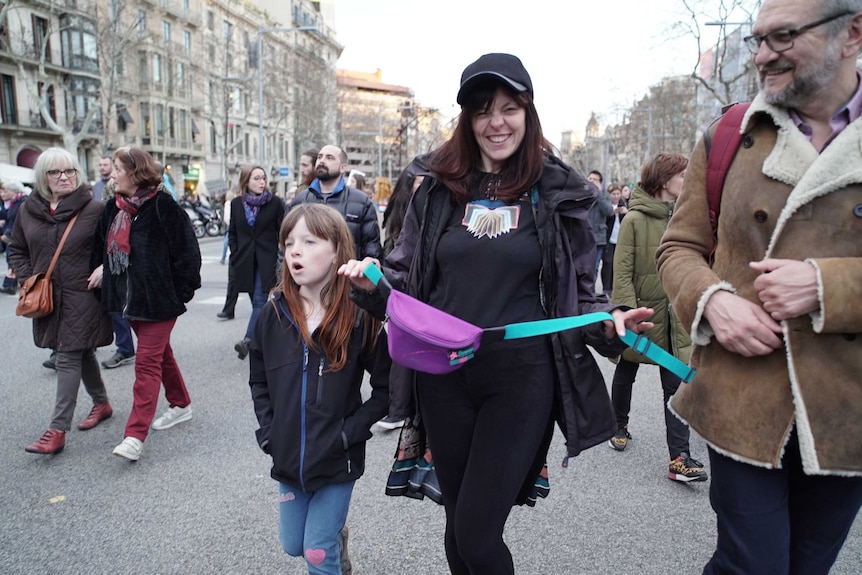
168 145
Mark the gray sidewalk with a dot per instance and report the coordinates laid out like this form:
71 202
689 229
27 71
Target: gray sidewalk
200 500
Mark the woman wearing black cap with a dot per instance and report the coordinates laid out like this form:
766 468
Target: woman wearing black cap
497 234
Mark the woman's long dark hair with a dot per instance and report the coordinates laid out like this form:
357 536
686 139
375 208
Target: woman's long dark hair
458 161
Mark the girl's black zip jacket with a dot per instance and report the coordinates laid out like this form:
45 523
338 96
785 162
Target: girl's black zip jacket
312 421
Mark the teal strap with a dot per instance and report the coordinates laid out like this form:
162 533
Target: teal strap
373 273
639 343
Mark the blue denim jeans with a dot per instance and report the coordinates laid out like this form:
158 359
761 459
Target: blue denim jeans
779 521
123 335
309 524
600 252
258 300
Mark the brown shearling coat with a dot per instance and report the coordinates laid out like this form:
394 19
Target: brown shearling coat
781 200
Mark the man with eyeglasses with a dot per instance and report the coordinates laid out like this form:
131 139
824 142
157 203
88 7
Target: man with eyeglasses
776 319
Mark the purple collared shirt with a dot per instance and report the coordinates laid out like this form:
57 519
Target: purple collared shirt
842 118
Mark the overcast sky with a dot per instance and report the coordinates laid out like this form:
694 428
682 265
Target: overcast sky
583 56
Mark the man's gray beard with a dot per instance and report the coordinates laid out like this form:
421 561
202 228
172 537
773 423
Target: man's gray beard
808 87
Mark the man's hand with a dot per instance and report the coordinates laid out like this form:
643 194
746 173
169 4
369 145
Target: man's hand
741 326
787 288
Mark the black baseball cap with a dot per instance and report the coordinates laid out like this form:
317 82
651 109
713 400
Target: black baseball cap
504 67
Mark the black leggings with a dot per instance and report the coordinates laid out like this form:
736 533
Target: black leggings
621 397
486 423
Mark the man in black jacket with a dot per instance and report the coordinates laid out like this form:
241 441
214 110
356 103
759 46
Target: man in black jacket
356 207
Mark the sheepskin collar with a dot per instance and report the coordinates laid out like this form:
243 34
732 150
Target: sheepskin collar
795 162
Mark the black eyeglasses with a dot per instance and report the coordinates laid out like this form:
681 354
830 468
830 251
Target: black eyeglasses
56 174
782 40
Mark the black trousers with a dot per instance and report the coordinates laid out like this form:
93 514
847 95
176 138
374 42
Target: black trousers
621 397
608 268
231 296
486 423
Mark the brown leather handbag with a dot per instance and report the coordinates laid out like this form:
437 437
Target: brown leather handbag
36 298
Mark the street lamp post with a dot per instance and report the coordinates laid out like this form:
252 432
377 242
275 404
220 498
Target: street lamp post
261 143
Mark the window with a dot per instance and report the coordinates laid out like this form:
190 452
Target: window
47 96
210 20
142 22
114 10
143 68
236 99
123 117
226 31
159 113
157 69
183 125
211 52
146 127
119 66
181 78
185 8
166 31
187 42
4 33
8 105
172 128
82 95
78 43
213 138
41 40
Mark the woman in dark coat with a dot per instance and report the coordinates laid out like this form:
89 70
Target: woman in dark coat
150 269
255 219
78 325
498 234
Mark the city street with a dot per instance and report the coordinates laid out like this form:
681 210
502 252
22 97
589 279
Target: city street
201 500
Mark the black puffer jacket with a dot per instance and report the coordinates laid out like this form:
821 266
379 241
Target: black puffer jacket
313 422
77 322
164 263
359 213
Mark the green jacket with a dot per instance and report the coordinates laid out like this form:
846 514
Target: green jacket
636 282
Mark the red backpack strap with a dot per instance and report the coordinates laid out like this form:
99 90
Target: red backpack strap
720 154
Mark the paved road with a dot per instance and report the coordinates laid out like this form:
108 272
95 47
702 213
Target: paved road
201 500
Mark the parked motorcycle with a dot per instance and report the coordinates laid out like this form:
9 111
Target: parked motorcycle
205 220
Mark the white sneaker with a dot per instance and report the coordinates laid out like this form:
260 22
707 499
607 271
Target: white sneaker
173 416
130 448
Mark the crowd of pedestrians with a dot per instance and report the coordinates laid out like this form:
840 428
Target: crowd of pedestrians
751 278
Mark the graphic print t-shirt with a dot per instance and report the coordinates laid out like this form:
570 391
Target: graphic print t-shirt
489 260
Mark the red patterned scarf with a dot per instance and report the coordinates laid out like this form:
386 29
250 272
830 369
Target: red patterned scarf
119 247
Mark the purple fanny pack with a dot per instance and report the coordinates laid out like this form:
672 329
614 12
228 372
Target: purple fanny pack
426 339
423 337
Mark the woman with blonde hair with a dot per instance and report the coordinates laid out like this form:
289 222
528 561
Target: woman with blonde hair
77 325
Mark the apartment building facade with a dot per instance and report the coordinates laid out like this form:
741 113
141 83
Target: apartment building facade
179 78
